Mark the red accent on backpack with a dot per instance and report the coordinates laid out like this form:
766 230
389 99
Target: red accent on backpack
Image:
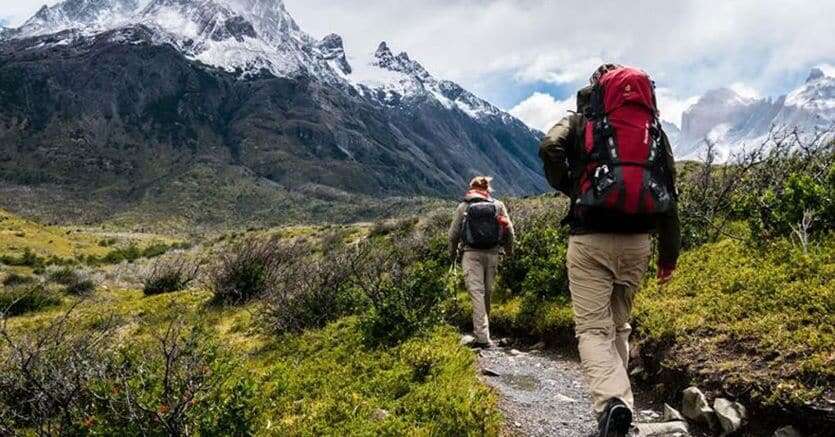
623 146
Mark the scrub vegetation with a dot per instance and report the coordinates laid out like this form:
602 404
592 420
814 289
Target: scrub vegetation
353 329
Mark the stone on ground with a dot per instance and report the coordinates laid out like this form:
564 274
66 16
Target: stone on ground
467 340
787 431
380 414
672 415
677 428
695 407
730 414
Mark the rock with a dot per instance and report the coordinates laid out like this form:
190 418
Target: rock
730 414
694 404
787 431
539 346
652 415
662 429
380 414
489 372
636 371
516 352
672 415
564 398
467 340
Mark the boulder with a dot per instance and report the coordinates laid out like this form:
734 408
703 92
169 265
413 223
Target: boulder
672 415
467 340
695 407
730 414
694 404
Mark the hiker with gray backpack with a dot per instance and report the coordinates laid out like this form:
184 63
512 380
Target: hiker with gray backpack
481 231
613 160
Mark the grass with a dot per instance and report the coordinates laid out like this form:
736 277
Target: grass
775 307
20 237
323 382
758 318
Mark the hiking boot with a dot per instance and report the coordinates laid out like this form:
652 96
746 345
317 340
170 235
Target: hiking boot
489 344
615 420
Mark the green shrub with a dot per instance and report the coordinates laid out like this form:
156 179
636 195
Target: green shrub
312 293
168 275
82 287
25 259
537 266
405 303
64 276
15 301
13 279
252 268
181 383
155 250
73 281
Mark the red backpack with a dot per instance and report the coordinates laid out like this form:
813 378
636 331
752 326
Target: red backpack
624 156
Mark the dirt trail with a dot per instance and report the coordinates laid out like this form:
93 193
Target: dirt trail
543 393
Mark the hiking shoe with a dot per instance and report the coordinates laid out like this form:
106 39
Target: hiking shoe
615 420
489 344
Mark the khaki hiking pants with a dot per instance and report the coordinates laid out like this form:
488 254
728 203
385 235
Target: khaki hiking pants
604 272
480 268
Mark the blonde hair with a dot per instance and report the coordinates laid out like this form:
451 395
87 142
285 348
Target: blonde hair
481 183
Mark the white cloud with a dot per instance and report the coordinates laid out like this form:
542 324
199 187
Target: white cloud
672 105
745 90
689 46
828 69
541 111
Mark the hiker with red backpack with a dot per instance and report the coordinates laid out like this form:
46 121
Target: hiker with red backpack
615 163
481 230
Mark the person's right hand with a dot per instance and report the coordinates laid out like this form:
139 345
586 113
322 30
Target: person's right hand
665 274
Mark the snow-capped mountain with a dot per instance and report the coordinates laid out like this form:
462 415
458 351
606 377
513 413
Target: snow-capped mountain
249 36
735 123
124 95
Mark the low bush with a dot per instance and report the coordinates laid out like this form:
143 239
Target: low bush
74 282
252 268
313 292
25 259
26 298
170 274
13 279
64 276
62 380
537 267
405 299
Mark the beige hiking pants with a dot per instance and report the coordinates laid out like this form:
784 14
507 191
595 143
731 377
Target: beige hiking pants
604 272
480 268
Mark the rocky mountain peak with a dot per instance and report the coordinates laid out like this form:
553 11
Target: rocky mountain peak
402 63
815 74
332 49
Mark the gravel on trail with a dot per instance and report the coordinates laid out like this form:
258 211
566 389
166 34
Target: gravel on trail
543 392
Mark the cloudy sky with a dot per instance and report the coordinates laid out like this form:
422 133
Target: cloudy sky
530 56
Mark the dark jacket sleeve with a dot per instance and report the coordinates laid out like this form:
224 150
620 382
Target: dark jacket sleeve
554 151
669 229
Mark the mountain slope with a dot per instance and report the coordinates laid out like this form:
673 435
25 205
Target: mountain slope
734 122
124 108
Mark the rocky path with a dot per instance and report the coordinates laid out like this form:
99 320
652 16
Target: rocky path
543 392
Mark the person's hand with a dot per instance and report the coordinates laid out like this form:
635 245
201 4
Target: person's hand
665 273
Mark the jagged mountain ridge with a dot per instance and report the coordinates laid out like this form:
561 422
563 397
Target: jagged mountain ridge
126 106
734 122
